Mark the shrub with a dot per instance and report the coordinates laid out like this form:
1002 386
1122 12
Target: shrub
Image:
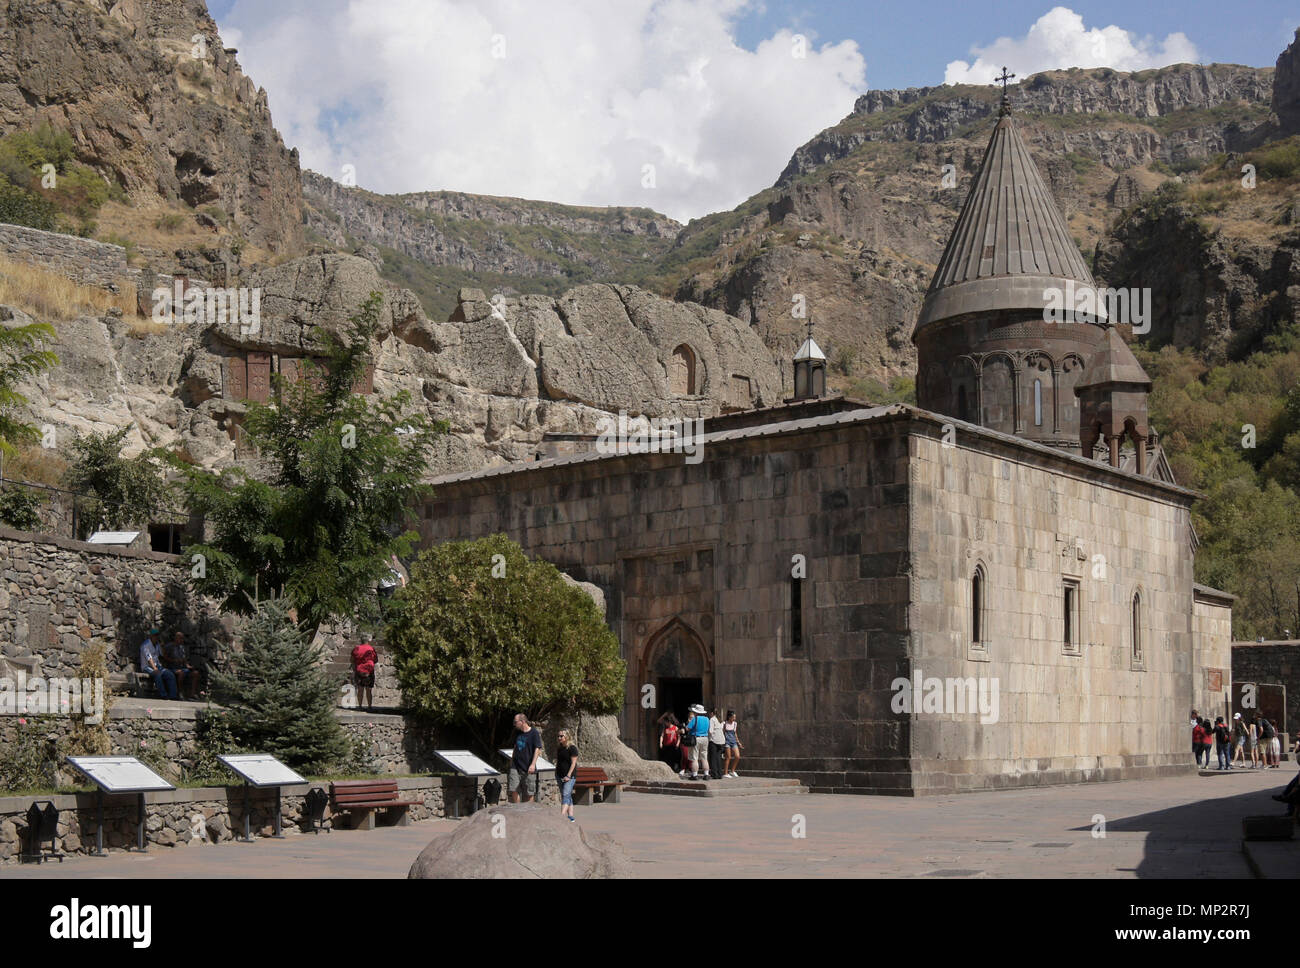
20 508
483 632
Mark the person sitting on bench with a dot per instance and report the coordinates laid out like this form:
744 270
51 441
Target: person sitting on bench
164 679
177 661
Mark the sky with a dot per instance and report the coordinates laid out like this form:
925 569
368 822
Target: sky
683 106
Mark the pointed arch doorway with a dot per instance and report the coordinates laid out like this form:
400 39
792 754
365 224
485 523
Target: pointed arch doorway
676 663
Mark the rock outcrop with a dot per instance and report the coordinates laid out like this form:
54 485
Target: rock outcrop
520 841
162 115
502 374
1286 87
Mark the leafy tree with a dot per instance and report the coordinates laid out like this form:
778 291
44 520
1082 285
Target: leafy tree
277 695
122 492
342 474
20 508
20 357
477 638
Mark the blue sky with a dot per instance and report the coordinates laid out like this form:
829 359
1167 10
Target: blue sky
683 106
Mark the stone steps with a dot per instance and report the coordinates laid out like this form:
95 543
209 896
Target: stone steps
742 787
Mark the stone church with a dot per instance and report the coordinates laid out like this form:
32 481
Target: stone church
1016 537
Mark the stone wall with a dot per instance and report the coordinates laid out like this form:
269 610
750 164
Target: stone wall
1212 690
395 744
58 596
1271 663
205 815
697 564
82 260
1036 525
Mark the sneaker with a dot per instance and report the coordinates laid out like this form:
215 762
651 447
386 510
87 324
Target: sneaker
734 775
573 820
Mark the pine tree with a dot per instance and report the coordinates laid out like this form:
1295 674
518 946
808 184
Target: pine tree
278 697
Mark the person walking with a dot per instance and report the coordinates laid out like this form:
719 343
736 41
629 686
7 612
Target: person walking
670 738
1269 745
733 746
523 762
716 746
1223 743
697 731
1199 745
1252 743
1238 739
566 772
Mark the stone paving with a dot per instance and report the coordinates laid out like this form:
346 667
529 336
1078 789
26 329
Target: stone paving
1178 827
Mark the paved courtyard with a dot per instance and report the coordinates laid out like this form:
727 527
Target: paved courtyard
1184 827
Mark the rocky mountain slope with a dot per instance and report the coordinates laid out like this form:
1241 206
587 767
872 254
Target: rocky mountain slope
168 118
438 242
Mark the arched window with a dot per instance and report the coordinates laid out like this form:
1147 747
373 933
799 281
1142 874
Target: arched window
963 408
1137 627
681 372
1038 403
978 592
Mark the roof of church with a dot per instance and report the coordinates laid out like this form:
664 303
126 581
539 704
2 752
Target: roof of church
1113 362
863 415
1010 241
809 351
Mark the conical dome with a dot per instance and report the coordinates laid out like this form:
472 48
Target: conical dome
1010 242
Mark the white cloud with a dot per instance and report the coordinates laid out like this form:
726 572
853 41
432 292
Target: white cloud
587 94
1058 39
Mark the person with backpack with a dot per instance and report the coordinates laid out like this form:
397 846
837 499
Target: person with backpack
697 731
1268 743
670 738
1199 747
364 660
1223 743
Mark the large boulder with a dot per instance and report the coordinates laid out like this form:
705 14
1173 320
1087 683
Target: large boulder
517 841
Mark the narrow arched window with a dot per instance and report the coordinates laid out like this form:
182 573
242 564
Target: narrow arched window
1137 626
977 592
1038 403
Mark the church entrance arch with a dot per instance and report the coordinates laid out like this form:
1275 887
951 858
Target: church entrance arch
676 663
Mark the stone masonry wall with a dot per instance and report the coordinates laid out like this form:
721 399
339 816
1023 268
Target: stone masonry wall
82 260
1271 662
207 815
58 596
1032 522
697 561
394 744
1212 688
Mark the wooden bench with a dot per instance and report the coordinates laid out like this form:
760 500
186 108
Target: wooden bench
592 780
364 798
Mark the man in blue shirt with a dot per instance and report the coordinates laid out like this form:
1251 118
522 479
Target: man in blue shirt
164 679
697 727
523 762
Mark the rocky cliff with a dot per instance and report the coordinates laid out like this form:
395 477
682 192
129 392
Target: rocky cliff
439 242
503 374
167 117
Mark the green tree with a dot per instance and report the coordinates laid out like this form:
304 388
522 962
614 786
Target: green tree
342 474
277 695
20 508
121 492
21 357
483 632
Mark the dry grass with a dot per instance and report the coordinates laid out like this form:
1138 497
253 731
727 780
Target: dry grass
49 296
143 225
35 465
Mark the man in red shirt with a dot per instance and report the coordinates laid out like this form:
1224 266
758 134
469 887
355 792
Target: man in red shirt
364 658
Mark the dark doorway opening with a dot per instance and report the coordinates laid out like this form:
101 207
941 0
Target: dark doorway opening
676 696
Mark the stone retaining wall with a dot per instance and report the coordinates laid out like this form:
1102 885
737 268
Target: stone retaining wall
205 815
82 260
1271 662
396 744
58 595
